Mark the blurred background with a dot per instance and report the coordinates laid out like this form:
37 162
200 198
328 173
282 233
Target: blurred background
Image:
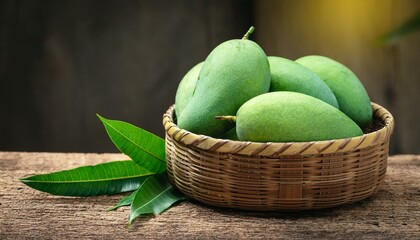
61 62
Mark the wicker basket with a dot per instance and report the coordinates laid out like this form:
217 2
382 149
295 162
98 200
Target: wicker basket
278 176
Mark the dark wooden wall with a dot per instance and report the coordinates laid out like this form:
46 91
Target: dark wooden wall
61 62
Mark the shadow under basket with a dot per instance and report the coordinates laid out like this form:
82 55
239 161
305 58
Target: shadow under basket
288 176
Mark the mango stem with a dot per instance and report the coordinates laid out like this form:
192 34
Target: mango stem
250 31
226 118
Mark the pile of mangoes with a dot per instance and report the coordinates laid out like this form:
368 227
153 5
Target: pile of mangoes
239 93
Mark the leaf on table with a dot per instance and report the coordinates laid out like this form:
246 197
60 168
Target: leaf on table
143 147
155 195
102 179
125 201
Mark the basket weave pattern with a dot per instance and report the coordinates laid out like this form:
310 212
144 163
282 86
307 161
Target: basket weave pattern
278 176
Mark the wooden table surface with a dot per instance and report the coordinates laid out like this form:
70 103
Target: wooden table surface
392 213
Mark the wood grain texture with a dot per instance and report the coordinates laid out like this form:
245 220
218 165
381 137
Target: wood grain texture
63 62
394 212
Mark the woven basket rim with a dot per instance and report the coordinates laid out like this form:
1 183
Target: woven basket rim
203 142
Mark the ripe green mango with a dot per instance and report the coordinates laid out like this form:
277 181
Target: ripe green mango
292 117
287 75
352 97
234 72
185 88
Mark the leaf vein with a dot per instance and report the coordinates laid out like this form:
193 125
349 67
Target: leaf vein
148 202
131 141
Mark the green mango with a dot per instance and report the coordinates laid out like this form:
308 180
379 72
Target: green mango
231 134
352 97
185 88
291 117
287 75
234 72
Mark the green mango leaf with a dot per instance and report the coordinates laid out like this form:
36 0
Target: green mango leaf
102 179
125 201
155 195
407 27
143 147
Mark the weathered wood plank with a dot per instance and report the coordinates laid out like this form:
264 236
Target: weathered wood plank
62 62
394 212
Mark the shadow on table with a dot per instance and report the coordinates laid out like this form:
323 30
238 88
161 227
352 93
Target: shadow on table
315 213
